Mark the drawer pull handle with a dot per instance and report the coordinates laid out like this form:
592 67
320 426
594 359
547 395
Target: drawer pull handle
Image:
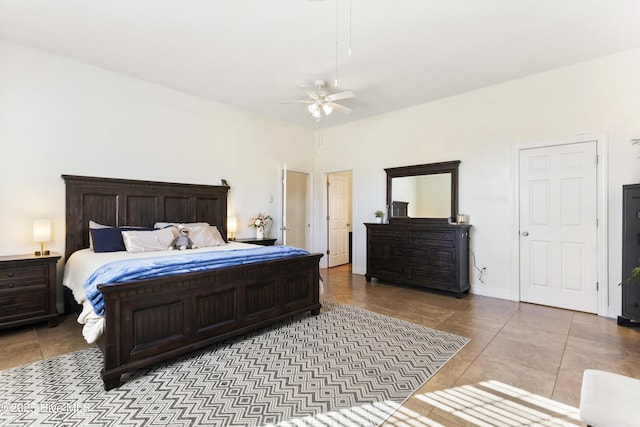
10 307
10 274
10 285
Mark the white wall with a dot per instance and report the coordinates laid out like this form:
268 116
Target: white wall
58 116
482 129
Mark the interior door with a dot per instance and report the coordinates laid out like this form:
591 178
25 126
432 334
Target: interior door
295 219
338 218
558 226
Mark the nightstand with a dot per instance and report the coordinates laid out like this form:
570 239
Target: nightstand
28 290
264 241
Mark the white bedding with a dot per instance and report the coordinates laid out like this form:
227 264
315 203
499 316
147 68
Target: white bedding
81 265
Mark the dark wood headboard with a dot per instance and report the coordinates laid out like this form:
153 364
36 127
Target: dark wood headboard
119 202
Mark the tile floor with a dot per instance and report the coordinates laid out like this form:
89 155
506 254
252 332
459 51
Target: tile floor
539 349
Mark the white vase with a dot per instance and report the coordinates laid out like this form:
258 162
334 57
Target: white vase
379 219
259 233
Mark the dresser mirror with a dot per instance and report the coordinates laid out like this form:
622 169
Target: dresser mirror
428 192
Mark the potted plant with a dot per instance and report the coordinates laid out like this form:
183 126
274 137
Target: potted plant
379 215
634 277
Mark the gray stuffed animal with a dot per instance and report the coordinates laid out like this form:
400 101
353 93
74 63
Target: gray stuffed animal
183 241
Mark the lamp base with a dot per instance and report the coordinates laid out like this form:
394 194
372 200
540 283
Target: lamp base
42 253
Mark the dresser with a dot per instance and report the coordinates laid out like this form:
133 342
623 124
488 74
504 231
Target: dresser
28 290
431 255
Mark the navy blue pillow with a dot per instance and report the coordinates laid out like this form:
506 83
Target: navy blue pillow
110 239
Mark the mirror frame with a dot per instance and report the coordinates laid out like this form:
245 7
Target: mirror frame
425 169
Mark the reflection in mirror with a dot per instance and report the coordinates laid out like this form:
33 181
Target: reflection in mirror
426 196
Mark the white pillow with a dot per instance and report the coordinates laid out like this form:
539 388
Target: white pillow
149 241
205 236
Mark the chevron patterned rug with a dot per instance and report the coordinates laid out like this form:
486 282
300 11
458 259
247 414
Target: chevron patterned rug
346 366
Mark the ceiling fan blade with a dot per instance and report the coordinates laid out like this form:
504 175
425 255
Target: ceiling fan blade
339 107
340 95
297 101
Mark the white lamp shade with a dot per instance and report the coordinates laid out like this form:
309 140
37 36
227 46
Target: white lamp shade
41 230
232 224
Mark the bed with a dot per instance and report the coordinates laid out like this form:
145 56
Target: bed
155 319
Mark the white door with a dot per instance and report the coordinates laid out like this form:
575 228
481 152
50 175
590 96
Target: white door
338 195
558 226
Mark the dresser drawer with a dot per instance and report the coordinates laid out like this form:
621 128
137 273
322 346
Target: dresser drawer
404 253
378 250
386 234
418 236
434 277
443 258
383 268
20 277
16 305
431 234
432 242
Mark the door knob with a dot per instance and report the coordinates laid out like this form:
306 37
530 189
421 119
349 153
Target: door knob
525 233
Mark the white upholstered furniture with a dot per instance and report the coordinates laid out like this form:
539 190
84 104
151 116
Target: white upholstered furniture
609 400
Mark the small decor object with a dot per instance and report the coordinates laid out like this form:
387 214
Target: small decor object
379 215
261 223
183 241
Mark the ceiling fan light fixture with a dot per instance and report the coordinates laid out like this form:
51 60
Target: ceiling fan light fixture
327 109
315 110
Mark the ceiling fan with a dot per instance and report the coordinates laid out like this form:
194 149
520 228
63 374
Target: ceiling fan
321 103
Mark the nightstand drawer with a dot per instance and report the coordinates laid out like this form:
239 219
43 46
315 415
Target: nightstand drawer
20 277
17 305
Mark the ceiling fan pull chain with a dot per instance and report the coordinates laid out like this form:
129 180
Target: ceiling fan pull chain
350 28
336 81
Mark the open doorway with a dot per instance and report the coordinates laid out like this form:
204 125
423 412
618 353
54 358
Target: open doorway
295 211
339 218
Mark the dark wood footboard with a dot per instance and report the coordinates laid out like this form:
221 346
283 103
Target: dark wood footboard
152 320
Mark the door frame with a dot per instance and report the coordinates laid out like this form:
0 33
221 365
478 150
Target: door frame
602 241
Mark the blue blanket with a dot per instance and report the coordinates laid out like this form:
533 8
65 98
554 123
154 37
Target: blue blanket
187 262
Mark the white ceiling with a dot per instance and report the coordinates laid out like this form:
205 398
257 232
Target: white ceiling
252 54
